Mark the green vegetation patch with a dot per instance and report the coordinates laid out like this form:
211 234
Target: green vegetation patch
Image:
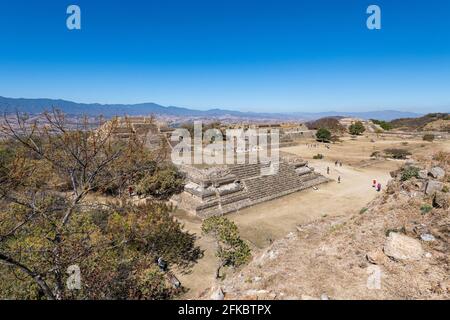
397 153
426 208
356 128
383 124
318 156
409 173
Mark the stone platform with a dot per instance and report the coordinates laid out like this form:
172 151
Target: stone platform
226 189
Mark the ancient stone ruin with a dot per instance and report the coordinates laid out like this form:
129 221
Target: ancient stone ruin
222 189
145 127
228 188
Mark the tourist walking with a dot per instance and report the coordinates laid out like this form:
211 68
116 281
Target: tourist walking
339 179
378 187
328 170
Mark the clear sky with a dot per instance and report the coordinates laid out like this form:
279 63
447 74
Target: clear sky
246 55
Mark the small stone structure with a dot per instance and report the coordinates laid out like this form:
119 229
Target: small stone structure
225 189
147 127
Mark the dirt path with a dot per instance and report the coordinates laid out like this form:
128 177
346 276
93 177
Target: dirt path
272 220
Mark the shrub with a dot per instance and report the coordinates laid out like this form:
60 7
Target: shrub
356 128
318 156
397 153
428 137
410 172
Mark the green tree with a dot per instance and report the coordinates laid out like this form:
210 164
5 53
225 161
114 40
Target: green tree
161 183
231 249
356 128
323 135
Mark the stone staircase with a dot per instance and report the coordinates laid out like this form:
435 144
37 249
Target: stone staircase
246 171
264 188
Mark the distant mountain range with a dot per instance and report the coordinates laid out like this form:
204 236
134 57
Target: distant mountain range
36 106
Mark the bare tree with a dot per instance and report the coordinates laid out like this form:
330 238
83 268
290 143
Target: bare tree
86 160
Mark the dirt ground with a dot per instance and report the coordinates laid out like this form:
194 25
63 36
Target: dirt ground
262 224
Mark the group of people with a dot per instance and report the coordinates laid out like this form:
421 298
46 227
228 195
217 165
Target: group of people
316 145
376 185
337 163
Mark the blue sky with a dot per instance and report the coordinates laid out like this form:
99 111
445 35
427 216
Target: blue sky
247 55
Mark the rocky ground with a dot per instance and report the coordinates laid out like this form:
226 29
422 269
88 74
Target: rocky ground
397 247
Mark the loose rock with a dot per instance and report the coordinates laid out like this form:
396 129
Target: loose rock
423 174
437 173
376 257
401 247
433 186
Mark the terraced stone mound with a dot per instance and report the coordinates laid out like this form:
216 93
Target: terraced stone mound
222 190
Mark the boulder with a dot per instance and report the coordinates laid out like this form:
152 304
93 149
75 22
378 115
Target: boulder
441 200
437 173
401 247
433 187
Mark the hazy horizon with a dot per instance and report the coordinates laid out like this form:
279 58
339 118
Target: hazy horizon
230 109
